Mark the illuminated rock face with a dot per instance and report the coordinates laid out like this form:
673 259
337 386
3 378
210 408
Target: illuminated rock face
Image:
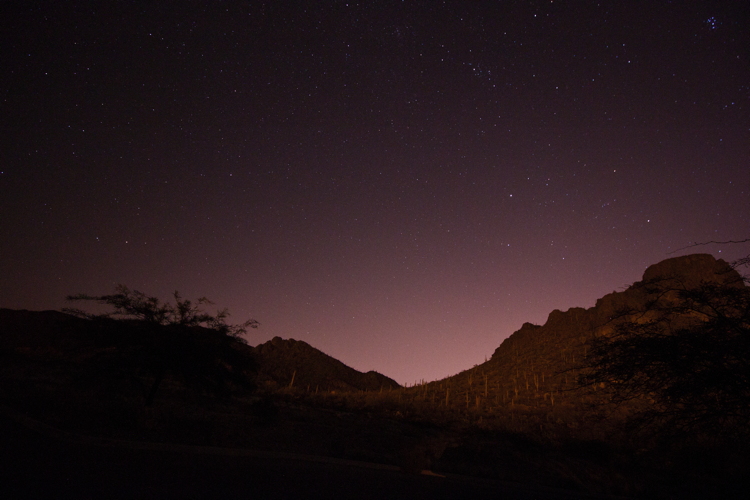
691 269
536 361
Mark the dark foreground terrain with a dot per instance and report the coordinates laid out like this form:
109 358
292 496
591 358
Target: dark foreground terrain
39 461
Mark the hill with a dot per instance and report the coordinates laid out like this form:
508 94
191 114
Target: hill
290 363
47 339
535 368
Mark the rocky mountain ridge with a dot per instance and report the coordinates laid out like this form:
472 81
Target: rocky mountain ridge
535 368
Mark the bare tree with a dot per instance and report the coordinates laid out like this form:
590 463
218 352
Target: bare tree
155 339
682 360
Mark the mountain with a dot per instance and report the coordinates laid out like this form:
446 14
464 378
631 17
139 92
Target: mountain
41 332
296 363
47 339
535 368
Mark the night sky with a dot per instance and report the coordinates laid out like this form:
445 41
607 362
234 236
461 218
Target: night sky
401 184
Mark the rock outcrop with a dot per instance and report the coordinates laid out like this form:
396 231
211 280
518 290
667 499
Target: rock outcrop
536 365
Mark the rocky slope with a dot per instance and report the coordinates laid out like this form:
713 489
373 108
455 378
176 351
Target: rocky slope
296 363
535 368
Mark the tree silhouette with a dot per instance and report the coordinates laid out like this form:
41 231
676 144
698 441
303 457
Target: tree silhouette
155 339
682 360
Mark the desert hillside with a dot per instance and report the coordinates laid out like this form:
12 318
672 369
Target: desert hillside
536 368
290 363
520 417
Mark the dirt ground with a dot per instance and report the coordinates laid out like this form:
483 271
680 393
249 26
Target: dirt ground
41 463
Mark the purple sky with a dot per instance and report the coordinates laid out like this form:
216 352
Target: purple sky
400 184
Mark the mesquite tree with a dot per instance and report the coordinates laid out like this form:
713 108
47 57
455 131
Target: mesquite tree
155 339
682 359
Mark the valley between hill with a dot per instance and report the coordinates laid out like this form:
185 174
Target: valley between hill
522 417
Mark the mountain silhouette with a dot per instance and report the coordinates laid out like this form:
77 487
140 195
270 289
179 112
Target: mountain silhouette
296 363
533 368
73 345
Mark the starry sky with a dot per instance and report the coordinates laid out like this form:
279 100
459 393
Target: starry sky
401 184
